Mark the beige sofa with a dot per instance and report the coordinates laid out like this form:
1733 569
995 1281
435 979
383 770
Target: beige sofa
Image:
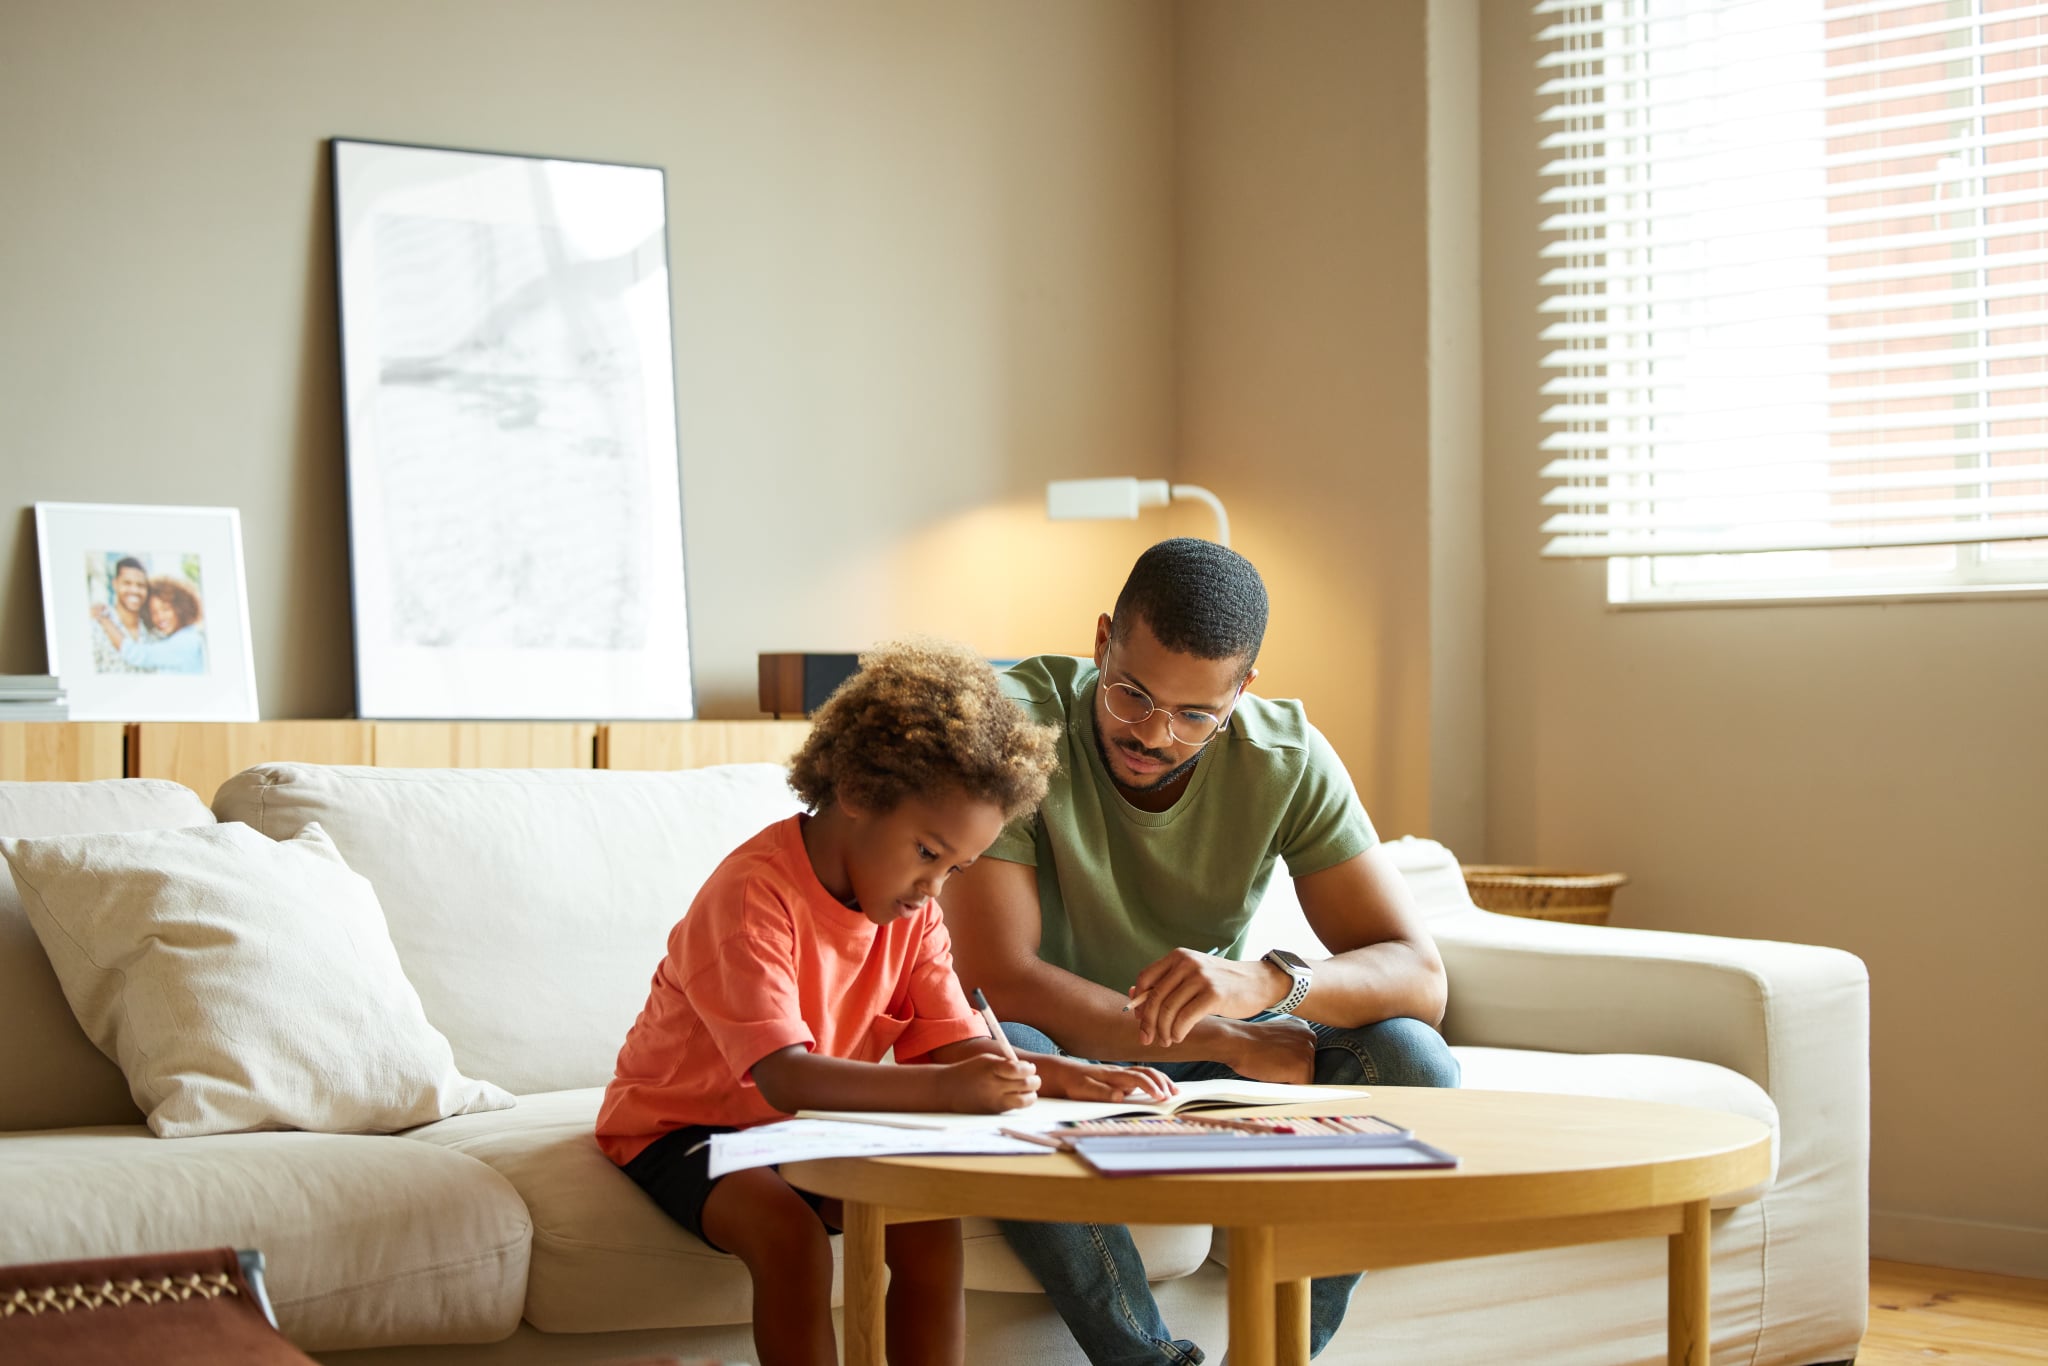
529 908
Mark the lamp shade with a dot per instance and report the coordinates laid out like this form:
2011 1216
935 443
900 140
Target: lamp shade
1096 499
1069 500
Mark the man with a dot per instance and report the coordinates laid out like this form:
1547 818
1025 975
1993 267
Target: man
1113 924
131 592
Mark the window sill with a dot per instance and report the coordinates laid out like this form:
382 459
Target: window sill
1876 597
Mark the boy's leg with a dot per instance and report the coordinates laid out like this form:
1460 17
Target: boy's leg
927 1305
1093 1275
762 1220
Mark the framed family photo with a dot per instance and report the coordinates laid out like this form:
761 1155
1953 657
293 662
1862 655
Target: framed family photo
146 611
514 487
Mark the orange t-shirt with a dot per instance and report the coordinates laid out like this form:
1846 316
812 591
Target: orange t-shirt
767 958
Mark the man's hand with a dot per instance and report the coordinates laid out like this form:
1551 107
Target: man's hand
1076 1080
989 1083
1174 993
1282 1050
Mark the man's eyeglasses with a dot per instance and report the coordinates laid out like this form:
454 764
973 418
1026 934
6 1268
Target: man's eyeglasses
1186 727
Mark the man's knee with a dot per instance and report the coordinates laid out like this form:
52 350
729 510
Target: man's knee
1025 1039
1396 1052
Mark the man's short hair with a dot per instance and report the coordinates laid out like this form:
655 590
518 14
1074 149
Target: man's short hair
129 562
1198 598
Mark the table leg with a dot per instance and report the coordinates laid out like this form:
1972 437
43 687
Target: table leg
861 1256
1290 1303
1690 1341
1252 1297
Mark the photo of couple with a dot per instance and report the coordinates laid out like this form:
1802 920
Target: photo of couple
147 613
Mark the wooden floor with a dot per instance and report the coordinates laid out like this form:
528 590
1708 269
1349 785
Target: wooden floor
1926 1313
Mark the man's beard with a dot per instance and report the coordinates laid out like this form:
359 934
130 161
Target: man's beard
1172 775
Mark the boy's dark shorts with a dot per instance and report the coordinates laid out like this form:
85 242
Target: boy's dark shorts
680 1181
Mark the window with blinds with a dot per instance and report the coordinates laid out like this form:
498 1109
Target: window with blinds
1797 309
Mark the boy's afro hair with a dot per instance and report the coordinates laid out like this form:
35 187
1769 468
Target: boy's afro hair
920 717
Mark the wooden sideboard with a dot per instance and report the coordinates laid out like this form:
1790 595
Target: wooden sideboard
204 754
60 751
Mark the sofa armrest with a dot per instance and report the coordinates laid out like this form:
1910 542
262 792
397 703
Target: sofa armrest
1793 1018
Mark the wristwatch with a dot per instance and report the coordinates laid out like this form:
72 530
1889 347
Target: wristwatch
1296 968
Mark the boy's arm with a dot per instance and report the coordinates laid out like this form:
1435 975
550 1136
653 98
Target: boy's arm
1070 1078
981 1081
992 915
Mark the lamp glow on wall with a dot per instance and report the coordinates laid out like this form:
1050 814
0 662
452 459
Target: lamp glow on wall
1073 500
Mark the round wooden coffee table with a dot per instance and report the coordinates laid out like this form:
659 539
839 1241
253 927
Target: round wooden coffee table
1535 1171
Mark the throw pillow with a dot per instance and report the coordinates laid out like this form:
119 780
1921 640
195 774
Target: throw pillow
240 983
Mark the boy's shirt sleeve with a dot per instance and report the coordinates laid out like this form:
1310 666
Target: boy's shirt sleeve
939 1013
745 990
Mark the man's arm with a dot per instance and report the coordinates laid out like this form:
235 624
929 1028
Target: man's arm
993 917
1385 964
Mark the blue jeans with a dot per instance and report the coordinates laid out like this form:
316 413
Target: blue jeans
1092 1272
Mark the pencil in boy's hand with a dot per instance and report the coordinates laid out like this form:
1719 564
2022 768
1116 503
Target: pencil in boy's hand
995 1030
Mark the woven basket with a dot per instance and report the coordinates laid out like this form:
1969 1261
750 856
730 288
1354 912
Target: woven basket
1544 893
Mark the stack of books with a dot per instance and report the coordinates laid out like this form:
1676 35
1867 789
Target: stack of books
32 697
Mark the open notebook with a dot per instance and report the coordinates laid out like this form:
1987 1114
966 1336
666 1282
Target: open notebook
1044 1114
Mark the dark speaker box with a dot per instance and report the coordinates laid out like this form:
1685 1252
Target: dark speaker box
798 684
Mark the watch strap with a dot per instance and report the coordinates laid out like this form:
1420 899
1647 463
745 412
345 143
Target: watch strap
1298 992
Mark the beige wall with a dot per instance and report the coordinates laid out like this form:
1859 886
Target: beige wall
1457 448
922 263
1312 367
1868 776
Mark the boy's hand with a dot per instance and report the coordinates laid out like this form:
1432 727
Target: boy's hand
1075 1080
988 1084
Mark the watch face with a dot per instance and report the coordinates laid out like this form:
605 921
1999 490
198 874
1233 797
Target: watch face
1291 962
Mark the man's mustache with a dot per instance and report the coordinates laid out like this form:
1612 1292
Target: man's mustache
1155 755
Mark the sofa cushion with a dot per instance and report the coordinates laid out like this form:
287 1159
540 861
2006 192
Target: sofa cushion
370 1241
241 983
606 1259
51 1076
1433 876
552 889
1624 1076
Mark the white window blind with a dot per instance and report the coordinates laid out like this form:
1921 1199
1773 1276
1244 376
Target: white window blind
1797 284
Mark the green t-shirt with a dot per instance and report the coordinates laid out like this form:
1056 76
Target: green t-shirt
1118 887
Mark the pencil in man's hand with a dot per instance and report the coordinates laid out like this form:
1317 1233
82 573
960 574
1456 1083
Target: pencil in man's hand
995 1030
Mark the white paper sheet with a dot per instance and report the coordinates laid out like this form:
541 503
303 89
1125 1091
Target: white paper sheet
1044 1114
798 1140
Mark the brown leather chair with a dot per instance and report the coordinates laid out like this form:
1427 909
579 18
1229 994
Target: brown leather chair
206 1308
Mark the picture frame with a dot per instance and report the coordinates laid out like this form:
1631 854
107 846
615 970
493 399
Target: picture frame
514 474
146 611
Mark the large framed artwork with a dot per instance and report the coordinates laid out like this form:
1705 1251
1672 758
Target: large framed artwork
514 489
146 611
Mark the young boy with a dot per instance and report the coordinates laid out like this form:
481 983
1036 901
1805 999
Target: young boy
815 948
